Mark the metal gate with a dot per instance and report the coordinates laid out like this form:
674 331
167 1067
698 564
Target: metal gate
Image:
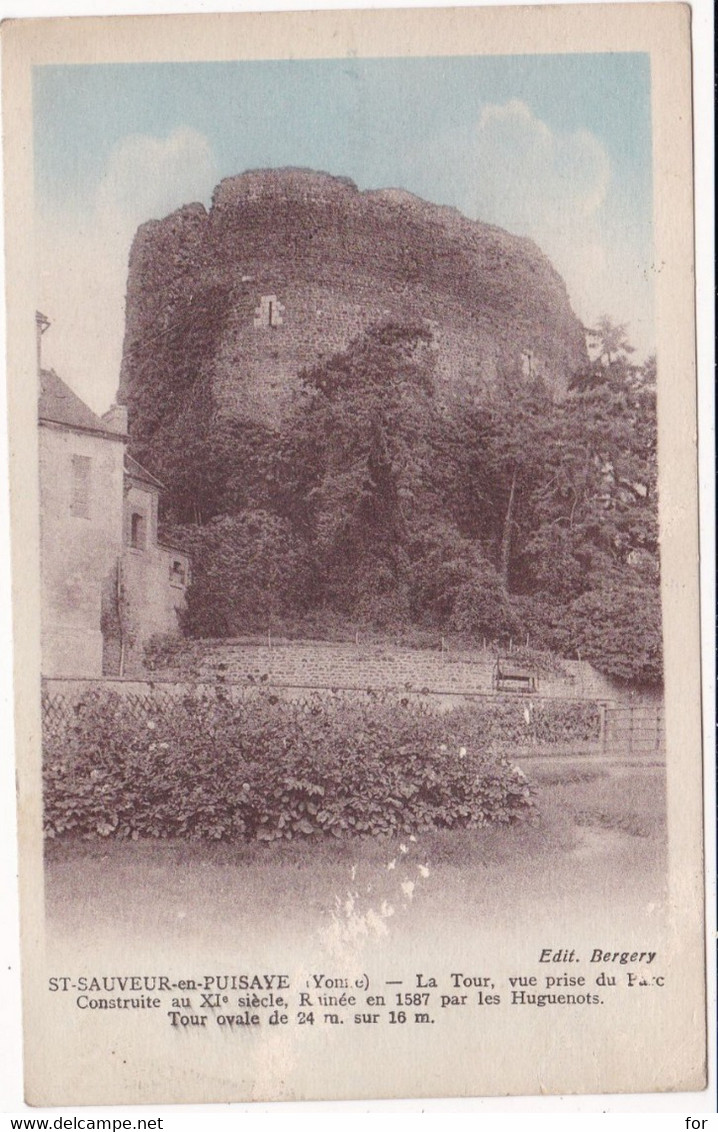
634 730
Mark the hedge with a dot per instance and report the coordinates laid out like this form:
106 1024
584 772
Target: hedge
524 722
269 769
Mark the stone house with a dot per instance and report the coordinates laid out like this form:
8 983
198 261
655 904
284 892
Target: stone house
107 583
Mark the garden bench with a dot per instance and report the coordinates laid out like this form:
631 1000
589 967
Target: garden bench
511 677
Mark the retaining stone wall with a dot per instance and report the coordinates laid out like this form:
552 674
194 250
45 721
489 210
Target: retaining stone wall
326 664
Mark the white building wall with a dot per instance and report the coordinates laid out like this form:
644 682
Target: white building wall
79 553
154 598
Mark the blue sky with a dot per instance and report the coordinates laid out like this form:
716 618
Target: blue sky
556 147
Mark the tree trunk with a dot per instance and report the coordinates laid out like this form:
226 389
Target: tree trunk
506 537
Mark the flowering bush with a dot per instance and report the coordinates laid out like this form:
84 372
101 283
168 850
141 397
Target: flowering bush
202 767
520 721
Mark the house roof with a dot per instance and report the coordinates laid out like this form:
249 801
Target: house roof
170 544
57 404
137 472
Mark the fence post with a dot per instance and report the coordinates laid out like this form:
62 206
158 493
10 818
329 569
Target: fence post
659 721
602 728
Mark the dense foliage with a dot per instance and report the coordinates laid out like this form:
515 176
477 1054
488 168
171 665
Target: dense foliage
386 502
270 769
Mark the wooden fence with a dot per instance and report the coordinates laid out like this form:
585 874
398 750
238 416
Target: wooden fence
621 731
634 731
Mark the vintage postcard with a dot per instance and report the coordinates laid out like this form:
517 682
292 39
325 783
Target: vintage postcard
354 532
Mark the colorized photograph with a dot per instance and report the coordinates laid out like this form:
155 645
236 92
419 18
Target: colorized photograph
350 568
348 482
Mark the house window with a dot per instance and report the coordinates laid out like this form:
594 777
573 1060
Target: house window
269 312
138 530
80 498
177 573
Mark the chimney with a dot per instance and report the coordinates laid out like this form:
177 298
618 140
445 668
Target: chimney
116 419
41 325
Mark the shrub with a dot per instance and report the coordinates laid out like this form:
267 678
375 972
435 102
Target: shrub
247 570
516 722
618 629
202 767
170 651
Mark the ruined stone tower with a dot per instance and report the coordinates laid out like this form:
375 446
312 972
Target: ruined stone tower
289 265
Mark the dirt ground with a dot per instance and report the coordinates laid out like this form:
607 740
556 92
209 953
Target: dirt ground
597 846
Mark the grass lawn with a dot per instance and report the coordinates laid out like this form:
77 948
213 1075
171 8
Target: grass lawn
597 845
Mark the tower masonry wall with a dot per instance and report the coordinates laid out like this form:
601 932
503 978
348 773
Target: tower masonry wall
304 263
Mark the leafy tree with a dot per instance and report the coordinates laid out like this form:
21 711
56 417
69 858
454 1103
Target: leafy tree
521 431
454 586
247 570
610 340
363 426
379 502
617 627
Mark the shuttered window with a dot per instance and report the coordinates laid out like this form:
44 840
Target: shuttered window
80 497
138 530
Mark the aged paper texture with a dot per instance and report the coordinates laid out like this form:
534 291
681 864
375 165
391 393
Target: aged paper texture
354 533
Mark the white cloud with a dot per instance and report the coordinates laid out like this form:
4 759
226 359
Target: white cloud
82 259
531 176
553 186
148 177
